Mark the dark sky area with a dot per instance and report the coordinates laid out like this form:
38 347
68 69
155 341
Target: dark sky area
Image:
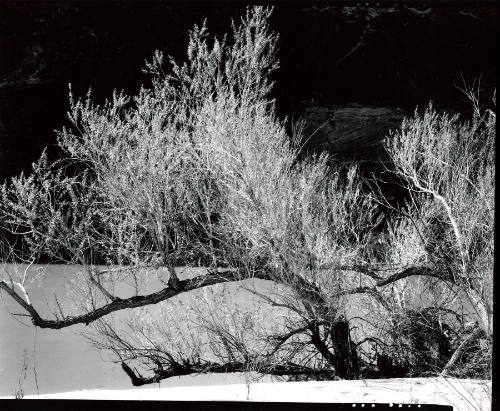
390 56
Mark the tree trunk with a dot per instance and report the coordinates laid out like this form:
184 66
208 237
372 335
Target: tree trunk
347 357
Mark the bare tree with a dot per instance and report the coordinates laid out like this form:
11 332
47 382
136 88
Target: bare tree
447 229
198 168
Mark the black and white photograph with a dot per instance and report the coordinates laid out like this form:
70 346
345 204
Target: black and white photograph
248 203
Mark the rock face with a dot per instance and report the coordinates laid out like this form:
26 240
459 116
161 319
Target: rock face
351 130
380 57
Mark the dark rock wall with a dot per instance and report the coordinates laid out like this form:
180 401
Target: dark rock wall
392 57
351 130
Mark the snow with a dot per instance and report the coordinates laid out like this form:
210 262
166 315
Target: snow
463 395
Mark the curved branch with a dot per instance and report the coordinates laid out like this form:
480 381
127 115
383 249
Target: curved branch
411 272
383 281
133 302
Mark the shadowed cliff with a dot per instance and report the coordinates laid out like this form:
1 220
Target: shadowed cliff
386 58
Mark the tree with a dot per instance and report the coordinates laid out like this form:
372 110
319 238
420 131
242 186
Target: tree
199 169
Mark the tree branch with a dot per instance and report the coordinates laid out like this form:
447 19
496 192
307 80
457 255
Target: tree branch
322 347
449 213
380 281
132 302
26 305
410 272
307 291
281 339
176 370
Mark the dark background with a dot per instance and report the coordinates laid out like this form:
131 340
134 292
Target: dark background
406 55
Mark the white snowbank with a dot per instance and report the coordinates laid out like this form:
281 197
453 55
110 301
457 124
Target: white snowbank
463 395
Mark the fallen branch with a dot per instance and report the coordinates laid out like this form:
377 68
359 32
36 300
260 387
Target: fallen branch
176 370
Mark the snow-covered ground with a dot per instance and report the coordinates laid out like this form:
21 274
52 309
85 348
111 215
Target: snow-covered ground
463 395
